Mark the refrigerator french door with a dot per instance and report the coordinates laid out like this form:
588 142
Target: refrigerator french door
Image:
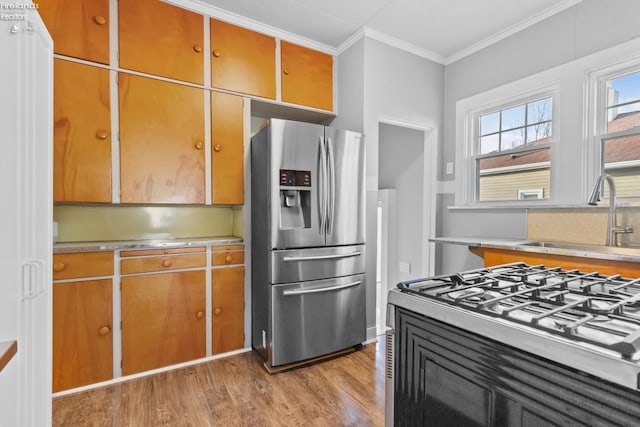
307 241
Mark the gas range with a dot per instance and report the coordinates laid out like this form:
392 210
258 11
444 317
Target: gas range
584 320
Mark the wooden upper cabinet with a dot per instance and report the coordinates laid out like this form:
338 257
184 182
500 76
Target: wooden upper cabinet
82 333
161 141
227 149
307 76
242 60
79 28
82 133
161 39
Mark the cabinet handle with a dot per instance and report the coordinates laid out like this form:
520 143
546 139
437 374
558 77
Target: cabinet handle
217 311
216 53
104 330
217 148
199 315
100 20
285 71
166 263
198 145
58 266
197 48
228 259
102 134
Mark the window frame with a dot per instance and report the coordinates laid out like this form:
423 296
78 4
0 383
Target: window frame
472 144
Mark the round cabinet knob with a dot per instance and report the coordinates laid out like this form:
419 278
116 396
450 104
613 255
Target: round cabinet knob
197 48
102 134
166 263
58 266
217 311
200 315
166 251
285 71
217 148
100 20
228 259
216 53
104 330
198 145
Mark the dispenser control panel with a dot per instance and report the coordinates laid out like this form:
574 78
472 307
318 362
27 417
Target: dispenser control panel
293 178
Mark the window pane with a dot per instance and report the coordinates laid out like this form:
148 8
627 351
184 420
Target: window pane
539 133
489 143
508 177
623 118
513 117
490 123
539 111
512 139
624 89
622 161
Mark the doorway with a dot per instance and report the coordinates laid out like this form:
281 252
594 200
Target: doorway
406 200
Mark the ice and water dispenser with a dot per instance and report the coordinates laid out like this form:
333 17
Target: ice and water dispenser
295 199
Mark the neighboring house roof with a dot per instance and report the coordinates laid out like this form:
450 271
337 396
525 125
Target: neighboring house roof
616 150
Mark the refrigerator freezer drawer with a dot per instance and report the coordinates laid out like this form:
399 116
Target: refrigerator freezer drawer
297 265
312 319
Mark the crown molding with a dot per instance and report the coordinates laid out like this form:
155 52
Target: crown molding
513 29
205 8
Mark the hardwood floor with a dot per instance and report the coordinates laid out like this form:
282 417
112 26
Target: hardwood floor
237 391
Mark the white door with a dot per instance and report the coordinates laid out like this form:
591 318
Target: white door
26 108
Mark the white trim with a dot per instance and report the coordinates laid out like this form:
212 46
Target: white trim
511 30
622 165
151 372
209 10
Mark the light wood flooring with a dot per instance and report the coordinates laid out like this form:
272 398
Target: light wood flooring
237 391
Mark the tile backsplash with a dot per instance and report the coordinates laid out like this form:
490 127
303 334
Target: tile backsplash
586 225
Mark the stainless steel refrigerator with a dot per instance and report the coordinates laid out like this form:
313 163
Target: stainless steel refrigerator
308 245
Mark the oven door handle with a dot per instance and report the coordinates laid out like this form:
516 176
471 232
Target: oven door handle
319 257
316 290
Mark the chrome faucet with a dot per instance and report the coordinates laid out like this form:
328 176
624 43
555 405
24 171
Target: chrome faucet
612 228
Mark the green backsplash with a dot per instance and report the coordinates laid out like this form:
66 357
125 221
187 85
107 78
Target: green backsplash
113 222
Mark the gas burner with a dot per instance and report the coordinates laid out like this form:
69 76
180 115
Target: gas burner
582 306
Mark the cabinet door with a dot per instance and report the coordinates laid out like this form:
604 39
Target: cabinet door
163 319
228 309
161 141
307 76
227 153
79 28
242 60
82 133
82 337
161 39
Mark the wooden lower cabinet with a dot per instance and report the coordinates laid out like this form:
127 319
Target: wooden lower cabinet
228 309
82 333
163 319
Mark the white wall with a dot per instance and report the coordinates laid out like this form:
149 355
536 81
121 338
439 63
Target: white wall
588 27
379 81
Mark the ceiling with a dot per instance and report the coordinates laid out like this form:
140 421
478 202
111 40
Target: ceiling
442 30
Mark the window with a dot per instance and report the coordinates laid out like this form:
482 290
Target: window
513 151
619 135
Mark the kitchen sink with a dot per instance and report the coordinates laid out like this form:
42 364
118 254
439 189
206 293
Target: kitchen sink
601 249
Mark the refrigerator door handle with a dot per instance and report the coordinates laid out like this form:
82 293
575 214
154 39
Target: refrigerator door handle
316 290
331 176
320 257
322 186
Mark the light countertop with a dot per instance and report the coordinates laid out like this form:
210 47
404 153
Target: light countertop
63 247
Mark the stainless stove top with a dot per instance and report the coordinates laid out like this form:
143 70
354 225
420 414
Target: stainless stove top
586 321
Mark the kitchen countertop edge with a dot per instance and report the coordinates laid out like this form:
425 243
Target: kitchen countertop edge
112 245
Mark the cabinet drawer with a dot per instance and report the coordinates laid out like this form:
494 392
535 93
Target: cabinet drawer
227 258
166 251
172 262
85 264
